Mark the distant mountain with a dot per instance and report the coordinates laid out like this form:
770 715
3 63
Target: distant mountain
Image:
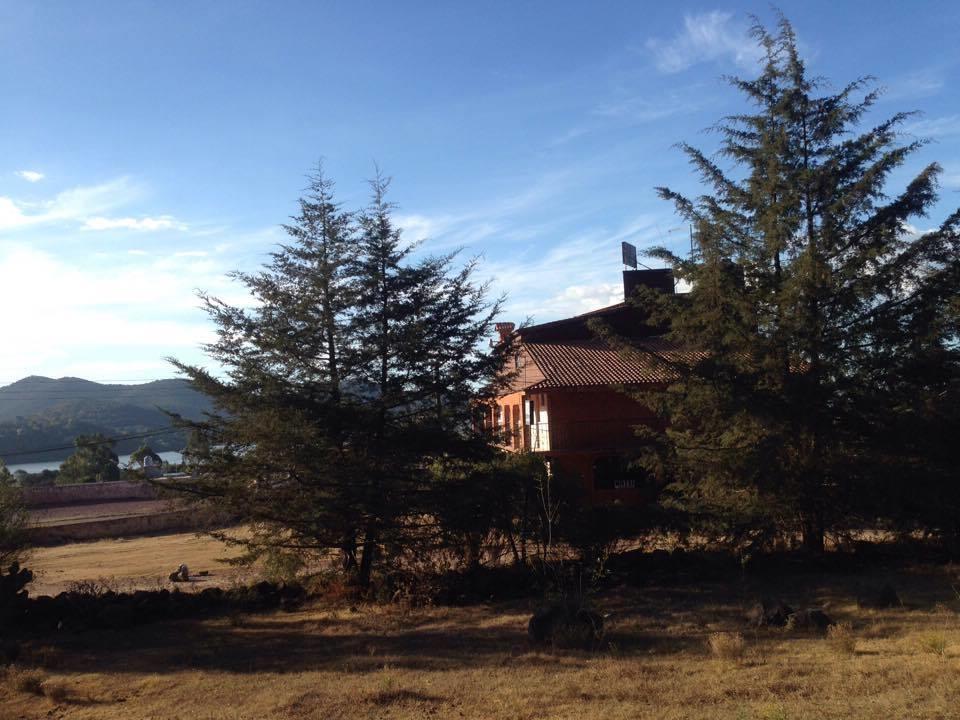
37 413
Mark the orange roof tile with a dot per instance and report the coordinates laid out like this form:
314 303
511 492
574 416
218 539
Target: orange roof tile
593 362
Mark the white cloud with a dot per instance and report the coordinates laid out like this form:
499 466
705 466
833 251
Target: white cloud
31 175
706 37
574 276
127 310
145 224
76 204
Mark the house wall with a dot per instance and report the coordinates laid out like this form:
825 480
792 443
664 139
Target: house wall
589 424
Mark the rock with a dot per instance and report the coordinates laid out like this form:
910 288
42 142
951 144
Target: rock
175 576
879 597
565 626
769 613
809 619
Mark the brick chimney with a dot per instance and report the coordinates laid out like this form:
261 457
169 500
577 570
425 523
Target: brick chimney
504 329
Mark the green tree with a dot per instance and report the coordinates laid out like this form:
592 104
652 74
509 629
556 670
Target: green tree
93 461
352 375
142 453
12 518
818 314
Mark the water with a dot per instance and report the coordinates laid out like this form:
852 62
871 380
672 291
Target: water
170 456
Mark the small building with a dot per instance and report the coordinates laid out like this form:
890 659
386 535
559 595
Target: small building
567 400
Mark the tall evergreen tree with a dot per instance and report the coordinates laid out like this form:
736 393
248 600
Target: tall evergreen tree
820 314
344 383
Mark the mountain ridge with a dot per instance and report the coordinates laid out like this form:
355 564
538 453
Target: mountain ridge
38 413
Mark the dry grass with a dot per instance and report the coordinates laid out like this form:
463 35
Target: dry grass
475 662
935 643
133 564
840 637
25 680
727 645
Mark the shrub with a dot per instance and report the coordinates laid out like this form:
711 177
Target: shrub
841 638
56 690
936 644
727 645
26 680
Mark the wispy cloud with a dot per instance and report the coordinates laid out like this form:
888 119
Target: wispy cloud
144 224
935 127
578 274
706 37
916 84
76 204
31 175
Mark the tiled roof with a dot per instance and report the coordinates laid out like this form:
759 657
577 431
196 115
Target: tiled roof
593 362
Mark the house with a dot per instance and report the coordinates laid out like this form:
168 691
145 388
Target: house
566 398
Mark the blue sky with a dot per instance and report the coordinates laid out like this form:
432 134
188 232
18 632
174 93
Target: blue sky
150 147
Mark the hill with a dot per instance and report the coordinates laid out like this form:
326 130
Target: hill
38 413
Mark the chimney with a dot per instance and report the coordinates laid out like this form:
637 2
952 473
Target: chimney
504 329
660 279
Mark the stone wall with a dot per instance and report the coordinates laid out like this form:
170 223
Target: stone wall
38 497
130 526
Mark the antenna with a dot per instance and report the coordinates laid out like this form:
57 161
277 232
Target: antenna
629 254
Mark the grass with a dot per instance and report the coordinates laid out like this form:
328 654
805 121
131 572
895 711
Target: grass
840 637
369 661
727 645
935 643
132 564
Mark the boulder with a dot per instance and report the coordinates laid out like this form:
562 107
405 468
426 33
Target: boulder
809 619
769 613
878 598
565 626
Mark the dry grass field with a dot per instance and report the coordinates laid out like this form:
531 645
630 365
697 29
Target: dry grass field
674 649
132 563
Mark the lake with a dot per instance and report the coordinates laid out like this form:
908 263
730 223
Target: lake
170 456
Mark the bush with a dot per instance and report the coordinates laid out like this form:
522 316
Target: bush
727 645
26 680
935 644
841 638
56 690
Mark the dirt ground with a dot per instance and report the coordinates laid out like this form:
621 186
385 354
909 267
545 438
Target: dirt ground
366 661
142 563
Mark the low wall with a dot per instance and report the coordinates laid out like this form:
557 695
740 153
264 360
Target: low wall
97 529
37 497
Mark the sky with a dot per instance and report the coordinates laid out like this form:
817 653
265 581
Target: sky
149 148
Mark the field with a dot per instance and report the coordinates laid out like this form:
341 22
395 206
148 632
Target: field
133 564
343 660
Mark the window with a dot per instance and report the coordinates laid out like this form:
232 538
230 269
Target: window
529 412
618 473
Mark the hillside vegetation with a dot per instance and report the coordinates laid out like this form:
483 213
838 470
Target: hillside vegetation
39 412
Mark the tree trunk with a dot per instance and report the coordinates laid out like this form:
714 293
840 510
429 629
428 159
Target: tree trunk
366 560
812 537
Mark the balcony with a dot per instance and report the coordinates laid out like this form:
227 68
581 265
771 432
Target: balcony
536 438
582 435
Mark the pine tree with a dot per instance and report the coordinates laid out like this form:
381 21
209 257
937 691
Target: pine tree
819 314
93 461
348 379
